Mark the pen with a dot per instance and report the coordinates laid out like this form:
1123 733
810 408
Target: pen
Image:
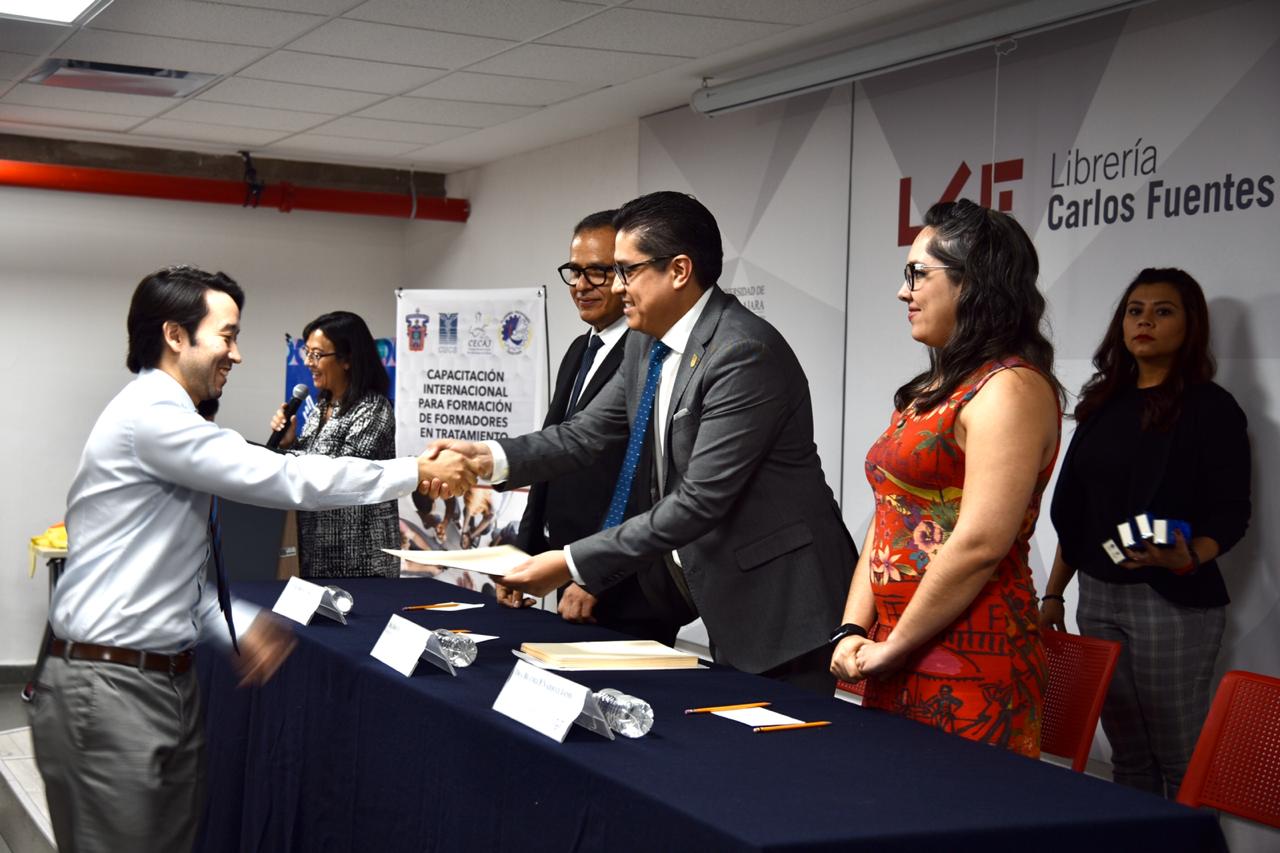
708 710
789 726
430 606
458 630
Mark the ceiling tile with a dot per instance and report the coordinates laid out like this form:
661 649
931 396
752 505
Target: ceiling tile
317 7
429 111
314 143
30 37
337 72
659 32
579 64
390 131
287 96
13 66
156 52
361 40
65 118
33 95
497 89
205 22
773 11
241 116
198 132
502 19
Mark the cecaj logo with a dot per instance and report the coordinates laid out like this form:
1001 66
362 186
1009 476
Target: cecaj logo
478 340
1002 172
416 327
515 331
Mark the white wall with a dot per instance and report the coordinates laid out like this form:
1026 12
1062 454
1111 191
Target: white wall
523 210
68 264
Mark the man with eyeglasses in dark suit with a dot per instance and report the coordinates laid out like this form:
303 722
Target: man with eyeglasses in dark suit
573 506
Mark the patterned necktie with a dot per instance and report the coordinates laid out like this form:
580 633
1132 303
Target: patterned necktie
215 546
588 359
622 491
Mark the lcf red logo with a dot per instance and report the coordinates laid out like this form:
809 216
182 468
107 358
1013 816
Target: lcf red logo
1003 172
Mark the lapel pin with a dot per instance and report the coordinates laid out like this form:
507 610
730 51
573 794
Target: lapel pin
693 361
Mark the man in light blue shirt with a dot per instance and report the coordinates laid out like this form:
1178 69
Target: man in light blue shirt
115 712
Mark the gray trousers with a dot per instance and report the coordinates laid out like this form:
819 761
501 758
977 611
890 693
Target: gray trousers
121 752
1160 693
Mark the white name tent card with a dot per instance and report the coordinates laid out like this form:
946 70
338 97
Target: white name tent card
404 643
549 703
300 600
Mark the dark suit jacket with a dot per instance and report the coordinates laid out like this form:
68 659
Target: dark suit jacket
767 559
573 506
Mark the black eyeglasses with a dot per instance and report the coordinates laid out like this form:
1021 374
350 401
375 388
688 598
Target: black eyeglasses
623 272
595 275
911 272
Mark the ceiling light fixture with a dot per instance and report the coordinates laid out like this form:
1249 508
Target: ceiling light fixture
922 45
52 11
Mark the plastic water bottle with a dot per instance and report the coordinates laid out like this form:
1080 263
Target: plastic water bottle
342 599
458 648
626 715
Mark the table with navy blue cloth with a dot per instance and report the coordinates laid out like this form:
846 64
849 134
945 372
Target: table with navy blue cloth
341 753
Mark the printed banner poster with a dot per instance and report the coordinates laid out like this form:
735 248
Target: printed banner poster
472 366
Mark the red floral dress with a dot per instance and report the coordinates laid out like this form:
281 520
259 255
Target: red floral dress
984 677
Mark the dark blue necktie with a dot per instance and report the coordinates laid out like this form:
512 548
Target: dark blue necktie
215 546
622 491
588 359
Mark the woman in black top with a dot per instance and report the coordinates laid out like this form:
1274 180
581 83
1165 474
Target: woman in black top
1155 435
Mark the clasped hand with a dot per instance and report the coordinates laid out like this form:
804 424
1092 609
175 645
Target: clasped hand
856 658
449 468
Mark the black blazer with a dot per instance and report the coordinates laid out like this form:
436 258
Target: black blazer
1198 471
573 506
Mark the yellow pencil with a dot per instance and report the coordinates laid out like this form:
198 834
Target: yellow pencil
725 708
790 726
430 606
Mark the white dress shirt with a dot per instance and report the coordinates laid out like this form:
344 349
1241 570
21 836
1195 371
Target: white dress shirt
138 516
677 338
609 337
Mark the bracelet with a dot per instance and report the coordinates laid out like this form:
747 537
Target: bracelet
1192 566
848 629
1052 597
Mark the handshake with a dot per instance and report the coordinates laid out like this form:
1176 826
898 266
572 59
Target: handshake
448 468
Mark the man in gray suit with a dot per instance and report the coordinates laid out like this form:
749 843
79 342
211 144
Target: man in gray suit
740 511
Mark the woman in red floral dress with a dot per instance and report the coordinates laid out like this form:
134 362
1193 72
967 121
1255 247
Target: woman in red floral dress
942 581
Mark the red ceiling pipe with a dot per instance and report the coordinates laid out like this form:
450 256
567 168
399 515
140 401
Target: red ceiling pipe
283 196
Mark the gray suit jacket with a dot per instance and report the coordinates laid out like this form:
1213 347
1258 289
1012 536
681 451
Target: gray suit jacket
766 557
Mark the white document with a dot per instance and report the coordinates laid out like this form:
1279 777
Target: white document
401 644
757 717
555 667
496 561
543 701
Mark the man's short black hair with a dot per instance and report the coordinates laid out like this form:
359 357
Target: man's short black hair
670 223
173 294
595 221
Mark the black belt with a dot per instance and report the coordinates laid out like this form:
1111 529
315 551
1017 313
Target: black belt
152 661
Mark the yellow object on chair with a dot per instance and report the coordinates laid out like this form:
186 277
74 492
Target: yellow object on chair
55 539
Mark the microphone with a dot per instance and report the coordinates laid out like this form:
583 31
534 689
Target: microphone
300 393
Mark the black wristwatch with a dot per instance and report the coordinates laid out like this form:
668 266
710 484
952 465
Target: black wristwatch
846 630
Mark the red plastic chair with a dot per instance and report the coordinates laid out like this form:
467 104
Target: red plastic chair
1080 670
1236 765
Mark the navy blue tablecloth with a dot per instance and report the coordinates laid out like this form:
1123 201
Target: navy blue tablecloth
341 753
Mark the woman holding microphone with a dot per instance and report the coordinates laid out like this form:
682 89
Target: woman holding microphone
353 418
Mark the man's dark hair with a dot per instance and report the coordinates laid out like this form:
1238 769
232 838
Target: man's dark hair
670 223
353 344
173 294
595 221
